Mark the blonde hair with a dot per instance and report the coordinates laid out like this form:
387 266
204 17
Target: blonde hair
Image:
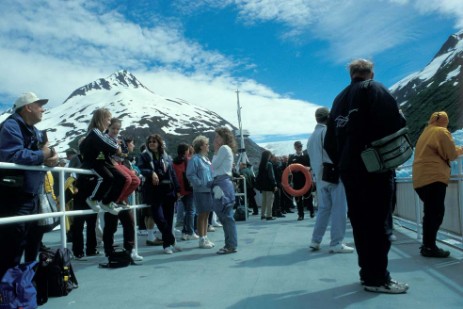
99 115
199 141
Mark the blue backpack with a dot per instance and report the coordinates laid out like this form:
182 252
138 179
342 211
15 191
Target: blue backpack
17 289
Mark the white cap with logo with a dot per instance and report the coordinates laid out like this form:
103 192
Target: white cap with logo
28 98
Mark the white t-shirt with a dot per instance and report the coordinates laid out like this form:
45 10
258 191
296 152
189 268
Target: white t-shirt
222 162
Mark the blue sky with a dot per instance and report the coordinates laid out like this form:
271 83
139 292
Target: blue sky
286 57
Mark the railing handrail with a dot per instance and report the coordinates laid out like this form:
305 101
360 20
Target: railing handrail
454 178
61 213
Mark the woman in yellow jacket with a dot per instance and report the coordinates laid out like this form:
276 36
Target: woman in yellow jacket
431 173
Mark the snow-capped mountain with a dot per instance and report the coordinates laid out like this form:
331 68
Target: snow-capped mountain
438 87
142 112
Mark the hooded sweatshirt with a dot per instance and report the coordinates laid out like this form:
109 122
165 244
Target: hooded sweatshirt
434 151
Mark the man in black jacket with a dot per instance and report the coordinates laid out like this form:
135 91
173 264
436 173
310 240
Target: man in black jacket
363 112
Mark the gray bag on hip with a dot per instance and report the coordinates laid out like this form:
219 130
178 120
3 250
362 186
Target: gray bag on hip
388 152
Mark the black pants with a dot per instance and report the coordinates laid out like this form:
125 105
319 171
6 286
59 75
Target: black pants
17 239
77 227
110 227
305 201
162 209
109 186
286 201
252 204
369 199
276 209
433 197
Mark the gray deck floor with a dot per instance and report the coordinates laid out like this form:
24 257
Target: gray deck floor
273 269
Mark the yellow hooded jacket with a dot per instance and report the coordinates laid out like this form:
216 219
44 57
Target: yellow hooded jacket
433 152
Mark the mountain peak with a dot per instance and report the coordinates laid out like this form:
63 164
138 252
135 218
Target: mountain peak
119 79
452 43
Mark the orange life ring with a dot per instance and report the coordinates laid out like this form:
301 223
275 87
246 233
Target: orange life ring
296 167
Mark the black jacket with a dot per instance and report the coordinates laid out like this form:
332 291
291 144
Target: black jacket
97 148
363 112
168 183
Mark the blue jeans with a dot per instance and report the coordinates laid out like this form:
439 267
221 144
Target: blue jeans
331 204
228 221
190 212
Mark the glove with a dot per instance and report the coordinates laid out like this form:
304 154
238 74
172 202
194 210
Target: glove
218 193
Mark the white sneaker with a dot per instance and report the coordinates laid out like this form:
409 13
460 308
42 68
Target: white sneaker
123 206
189 237
210 228
111 208
216 224
210 242
142 233
134 255
341 248
93 204
314 246
169 250
205 244
392 287
392 237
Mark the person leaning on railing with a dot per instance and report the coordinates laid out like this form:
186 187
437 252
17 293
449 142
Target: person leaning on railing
434 150
22 143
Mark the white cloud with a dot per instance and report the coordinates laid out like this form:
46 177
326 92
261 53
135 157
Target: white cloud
263 111
54 47
352 28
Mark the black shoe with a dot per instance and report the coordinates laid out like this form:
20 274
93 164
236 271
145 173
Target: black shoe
434 252
300 218
262 218
283 212
280 215
312 214
289 211
255 213
78 256
270 218
93 253
155 242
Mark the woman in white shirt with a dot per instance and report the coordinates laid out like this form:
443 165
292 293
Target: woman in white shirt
222 186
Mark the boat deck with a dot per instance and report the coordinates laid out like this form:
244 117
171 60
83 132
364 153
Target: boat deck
273 269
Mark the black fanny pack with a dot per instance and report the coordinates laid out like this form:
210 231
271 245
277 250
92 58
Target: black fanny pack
11 179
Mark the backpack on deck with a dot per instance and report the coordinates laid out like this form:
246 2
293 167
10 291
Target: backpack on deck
17 289
117 259
55 276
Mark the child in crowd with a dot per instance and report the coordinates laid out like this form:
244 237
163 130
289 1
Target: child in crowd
97 149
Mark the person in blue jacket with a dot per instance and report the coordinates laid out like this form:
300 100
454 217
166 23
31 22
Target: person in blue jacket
22 143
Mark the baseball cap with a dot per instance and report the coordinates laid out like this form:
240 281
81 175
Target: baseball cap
28 98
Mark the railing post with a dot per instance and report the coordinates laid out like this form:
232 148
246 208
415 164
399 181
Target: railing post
460 193
62 203
418 217
135 226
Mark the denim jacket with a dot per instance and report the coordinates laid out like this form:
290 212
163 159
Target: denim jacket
199 173
20 144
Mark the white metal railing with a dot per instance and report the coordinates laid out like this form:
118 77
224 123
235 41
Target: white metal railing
62 213
409 208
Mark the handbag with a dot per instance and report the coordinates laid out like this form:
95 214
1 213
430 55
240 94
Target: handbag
388 152
47 205
330 173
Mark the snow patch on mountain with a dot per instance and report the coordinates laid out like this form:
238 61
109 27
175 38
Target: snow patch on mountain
441 59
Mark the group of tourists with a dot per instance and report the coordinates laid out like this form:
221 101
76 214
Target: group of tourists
363 112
